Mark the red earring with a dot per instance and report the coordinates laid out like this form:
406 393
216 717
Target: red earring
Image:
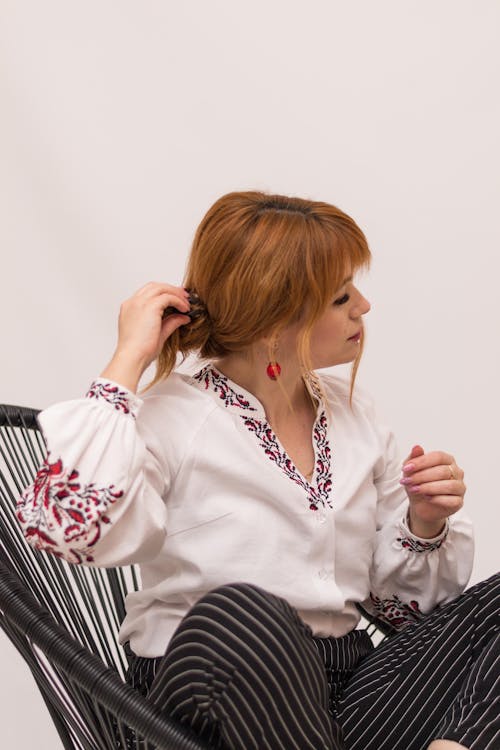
273 370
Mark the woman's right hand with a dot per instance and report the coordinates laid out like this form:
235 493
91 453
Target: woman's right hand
142 331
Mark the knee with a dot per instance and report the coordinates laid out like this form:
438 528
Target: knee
241 609
246 600
243 596
222 621
229 603
487 588
232 590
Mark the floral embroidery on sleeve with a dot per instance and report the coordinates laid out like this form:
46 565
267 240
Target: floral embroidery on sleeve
396 612
58 502
118 398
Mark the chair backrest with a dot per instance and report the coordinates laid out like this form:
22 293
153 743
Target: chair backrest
88 602
64 621
92 708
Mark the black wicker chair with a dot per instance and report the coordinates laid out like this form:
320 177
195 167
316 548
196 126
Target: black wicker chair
64 620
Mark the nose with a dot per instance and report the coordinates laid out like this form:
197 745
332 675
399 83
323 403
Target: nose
366 306
360 307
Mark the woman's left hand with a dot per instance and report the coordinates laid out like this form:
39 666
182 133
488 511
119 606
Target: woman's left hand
435 487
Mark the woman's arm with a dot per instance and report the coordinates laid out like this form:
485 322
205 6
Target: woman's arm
98 497
423 550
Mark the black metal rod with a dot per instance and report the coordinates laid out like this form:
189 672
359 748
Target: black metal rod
87 670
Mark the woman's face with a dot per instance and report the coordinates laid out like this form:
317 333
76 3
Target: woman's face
335 338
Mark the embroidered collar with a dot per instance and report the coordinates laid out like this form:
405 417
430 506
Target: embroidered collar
251 411
236 398
233 396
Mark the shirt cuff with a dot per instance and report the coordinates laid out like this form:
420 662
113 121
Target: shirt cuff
121 398
409 541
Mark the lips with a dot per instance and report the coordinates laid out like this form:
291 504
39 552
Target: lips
356 337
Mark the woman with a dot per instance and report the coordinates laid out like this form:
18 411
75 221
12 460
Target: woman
263 502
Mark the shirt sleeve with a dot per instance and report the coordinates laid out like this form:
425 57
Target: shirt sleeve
98 498
411 576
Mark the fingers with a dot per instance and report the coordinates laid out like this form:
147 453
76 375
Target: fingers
170 299
142 331
427 461
442 473
171 323
435 488
416 451
433 475
435 481
155 298
452 487
153 288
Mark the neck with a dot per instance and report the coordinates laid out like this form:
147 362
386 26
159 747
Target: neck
280 400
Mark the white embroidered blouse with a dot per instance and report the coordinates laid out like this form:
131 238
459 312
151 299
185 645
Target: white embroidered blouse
191 483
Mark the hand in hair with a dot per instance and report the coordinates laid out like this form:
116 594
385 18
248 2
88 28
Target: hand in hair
435 487
142 330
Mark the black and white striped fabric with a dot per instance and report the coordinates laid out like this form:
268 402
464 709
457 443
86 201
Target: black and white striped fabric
246 673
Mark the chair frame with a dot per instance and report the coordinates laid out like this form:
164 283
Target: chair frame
64 620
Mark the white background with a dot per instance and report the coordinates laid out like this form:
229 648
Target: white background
123 121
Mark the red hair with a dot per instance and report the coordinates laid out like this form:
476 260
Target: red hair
258 263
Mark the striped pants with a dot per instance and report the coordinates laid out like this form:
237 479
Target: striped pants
245 672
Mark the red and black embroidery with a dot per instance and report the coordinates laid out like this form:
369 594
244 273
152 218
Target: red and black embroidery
416 545
57 502
397 613
323 474
317 493
113 395
269 443
218 382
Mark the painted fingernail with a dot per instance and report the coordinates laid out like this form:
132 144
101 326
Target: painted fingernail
408 467
414 488
406 480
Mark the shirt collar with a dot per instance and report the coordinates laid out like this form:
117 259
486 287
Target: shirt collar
234 397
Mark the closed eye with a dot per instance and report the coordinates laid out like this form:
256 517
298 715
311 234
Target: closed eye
342 300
